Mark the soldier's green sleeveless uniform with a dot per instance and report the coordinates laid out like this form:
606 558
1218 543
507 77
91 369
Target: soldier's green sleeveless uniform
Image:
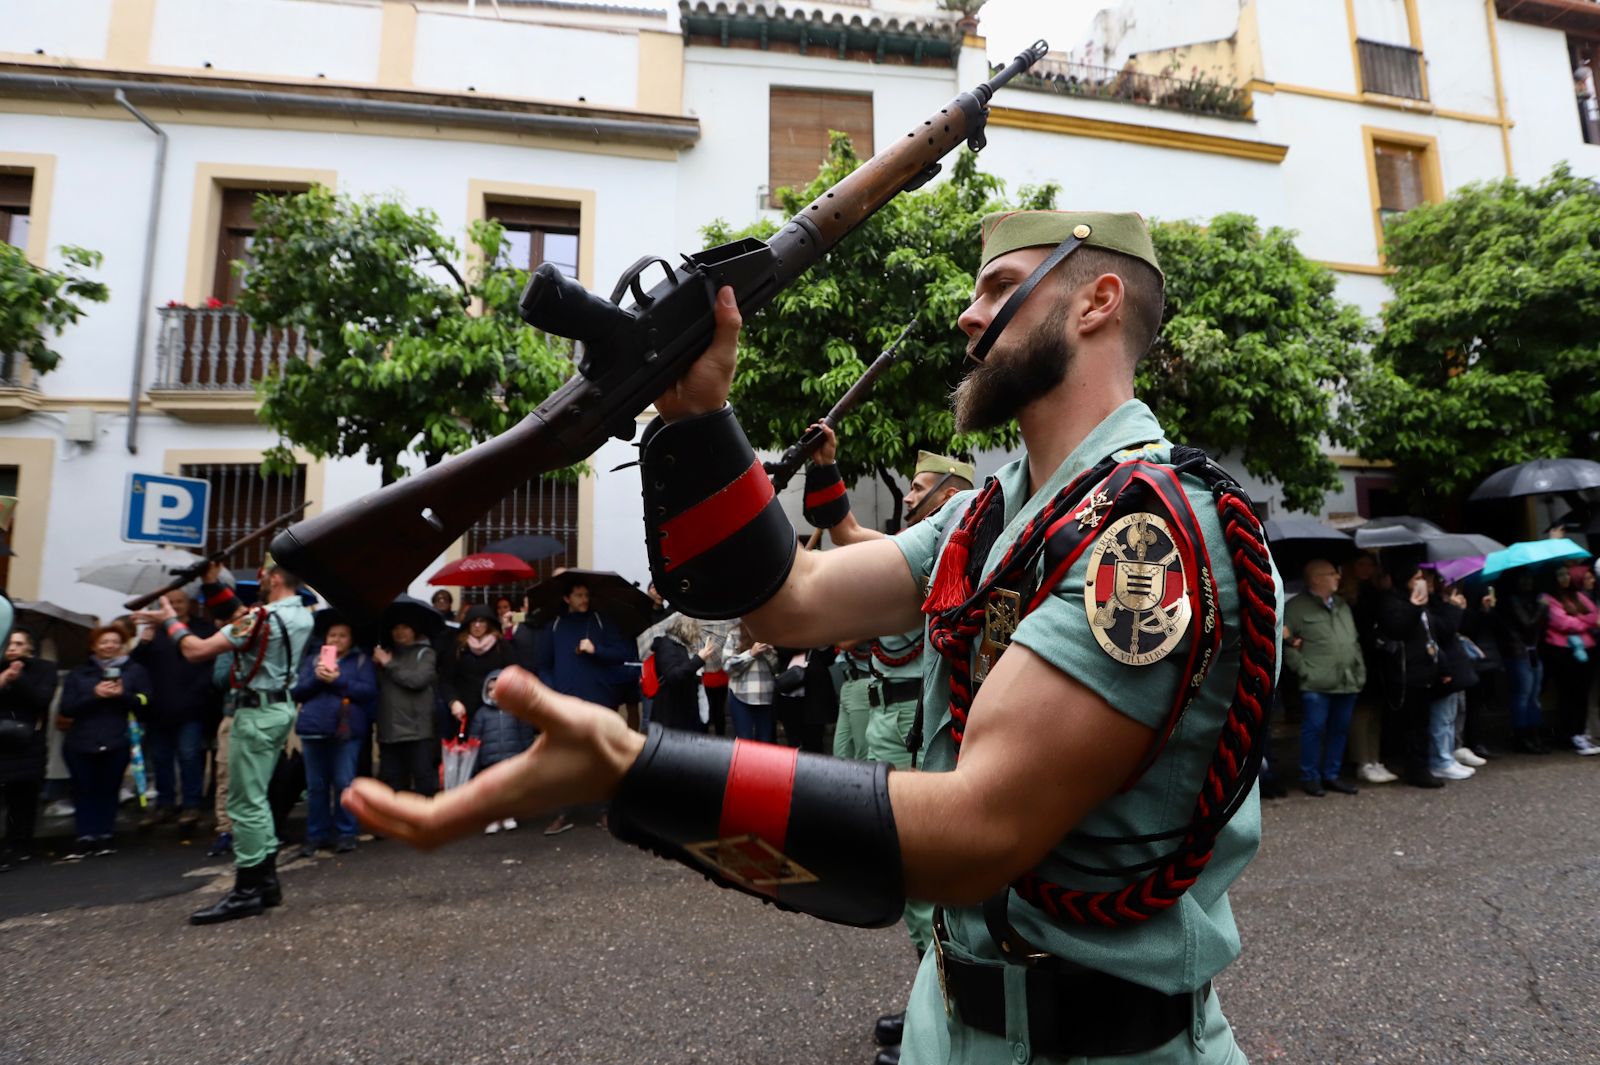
1180 949
263 714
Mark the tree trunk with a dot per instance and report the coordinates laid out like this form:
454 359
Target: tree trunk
887 477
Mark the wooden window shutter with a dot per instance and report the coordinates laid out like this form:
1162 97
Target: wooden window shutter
1400 185
798 136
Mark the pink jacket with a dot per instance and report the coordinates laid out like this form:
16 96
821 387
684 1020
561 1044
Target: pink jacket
1563 624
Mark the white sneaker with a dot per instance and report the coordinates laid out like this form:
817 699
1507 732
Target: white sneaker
1375 773
509 824
1583 745
1454 771
1465 756
491 828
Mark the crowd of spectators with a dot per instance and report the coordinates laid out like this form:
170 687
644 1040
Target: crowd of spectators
1386 664
1392 664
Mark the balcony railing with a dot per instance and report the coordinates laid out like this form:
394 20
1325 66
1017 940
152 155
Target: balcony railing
1391 69
218 349
1195 95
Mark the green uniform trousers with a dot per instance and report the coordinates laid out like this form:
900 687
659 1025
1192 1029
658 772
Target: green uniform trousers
934 1037
886 732
850 734
254 745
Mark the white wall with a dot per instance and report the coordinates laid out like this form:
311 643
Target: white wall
1455 43
1306 42
724 175
1153 25
68 29
298 38
1539 97
507 58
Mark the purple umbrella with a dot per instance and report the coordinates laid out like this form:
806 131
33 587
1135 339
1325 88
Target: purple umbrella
1455 570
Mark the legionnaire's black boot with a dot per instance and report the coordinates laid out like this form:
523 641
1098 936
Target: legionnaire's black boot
271 890
243 901
886 1033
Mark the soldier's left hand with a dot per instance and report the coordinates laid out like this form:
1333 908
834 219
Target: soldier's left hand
580 756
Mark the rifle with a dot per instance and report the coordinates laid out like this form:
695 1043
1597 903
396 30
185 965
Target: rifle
791 460
359 556
181 577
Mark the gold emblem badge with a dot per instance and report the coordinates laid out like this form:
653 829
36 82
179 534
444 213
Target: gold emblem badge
1136 593
751 862
1093 507
1001 615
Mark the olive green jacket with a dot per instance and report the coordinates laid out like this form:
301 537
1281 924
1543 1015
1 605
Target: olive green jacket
1329 660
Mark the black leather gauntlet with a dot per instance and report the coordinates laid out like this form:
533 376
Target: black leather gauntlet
719 543
809 833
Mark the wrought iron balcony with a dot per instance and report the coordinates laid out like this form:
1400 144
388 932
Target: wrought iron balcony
1391 69
1195 95
218 349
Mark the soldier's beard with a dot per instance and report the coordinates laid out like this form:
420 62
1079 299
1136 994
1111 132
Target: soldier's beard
995 391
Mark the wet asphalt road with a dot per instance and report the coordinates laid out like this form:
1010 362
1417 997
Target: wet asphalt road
1397 926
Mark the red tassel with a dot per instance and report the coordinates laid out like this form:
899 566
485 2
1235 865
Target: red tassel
950 587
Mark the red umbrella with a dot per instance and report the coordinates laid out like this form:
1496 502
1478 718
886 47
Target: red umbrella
486 568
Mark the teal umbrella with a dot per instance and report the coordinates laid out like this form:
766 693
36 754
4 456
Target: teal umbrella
1530 553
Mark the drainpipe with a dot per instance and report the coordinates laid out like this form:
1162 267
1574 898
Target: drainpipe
149 268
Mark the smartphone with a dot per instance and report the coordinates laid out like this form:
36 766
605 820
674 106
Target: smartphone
328 657
1491 591
518 617
111 673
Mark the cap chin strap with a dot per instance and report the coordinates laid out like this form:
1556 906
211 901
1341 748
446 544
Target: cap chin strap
1023 291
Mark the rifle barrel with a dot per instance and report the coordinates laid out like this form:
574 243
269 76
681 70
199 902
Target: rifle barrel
361 555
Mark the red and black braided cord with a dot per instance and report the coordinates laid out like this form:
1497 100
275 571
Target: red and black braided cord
1237 757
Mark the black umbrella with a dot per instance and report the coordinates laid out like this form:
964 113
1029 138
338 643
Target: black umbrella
1437 544
425 621
529 547
1294 541
1539 477
67 630
1381 533
365 635
609 594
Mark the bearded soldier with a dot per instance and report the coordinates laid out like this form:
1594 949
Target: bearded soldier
266 642
1104 615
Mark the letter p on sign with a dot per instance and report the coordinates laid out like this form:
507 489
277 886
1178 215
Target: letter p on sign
166 510
164 506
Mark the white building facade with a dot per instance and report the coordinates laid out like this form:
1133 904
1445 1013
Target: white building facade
601 133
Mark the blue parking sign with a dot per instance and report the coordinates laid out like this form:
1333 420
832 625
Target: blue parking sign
165 510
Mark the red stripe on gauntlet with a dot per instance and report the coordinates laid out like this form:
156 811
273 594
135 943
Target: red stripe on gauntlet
711 521
758 794
824 495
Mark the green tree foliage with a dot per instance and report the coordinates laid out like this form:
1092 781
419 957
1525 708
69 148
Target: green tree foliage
37 304
915 258
1490 354
1254 352
404 364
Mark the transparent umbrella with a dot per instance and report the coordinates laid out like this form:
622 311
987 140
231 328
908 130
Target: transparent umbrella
140 569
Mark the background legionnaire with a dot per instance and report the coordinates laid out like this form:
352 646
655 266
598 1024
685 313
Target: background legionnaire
884 689
1082 845
266 643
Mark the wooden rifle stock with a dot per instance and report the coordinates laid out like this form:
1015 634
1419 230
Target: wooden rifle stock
360 556
791 460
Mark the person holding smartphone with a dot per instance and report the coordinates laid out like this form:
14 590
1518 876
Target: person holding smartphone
96 700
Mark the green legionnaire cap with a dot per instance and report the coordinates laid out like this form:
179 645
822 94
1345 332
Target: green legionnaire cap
1008 231
928 462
